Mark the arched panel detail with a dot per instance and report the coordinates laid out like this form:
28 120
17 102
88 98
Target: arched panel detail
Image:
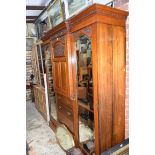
59 49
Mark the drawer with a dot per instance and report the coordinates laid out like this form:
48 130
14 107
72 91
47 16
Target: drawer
64 120
66 110
64 100
65 115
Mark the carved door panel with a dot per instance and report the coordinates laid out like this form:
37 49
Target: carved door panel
60 76
64 82
60 66
57 76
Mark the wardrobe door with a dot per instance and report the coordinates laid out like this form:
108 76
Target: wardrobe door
60 67
84 88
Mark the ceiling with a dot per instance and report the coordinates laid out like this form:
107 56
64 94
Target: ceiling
34 8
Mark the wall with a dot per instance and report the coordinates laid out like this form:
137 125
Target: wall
124 5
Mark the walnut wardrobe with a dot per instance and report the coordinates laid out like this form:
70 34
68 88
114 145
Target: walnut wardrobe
88 62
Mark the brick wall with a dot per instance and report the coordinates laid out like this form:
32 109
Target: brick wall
123 5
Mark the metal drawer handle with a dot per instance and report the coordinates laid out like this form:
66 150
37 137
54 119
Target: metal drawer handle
68 113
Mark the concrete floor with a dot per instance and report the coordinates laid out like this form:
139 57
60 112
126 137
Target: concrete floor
39 135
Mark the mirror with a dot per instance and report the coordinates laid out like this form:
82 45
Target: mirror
84 71
51 93
85 93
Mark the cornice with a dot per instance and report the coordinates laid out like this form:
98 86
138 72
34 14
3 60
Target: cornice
98 9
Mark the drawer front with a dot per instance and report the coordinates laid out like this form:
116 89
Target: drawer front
67 111
65 115
66 121
64 100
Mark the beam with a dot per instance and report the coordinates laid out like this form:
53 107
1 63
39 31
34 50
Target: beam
31 17
30 21
34 7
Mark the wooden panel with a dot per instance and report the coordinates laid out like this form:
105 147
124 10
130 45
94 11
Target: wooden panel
66 110
118 84
64 100
69 66
65 115
64 82
30 21
43 104
31 17
39 100
95 84
104 55
35 96
66 121
59 50
57 77
33 7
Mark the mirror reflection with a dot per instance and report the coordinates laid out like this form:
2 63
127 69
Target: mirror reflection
85 93
84 71
51 93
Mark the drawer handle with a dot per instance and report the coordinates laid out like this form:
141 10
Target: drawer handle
68 113
60 107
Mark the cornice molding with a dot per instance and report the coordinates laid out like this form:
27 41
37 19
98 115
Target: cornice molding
98 10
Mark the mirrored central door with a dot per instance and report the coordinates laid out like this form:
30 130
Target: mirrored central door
84 77
51 92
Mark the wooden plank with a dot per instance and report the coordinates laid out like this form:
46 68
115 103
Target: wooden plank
31 17
34 7
30 21
95 85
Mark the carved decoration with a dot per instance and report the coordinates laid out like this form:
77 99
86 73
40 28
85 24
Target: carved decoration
101 12
59 50
87 31
59 34
62 39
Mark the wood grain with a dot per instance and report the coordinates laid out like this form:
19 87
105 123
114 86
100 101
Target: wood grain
118 85
104 56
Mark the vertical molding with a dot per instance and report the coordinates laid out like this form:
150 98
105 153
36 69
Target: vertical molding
95 87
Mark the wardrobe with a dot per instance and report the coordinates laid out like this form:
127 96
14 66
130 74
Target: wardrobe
88 59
